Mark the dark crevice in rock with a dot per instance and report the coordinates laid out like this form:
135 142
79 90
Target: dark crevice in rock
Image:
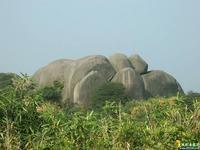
146 73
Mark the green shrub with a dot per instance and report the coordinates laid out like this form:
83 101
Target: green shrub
52 93
109 92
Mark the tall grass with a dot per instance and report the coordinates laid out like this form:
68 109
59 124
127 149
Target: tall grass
29 122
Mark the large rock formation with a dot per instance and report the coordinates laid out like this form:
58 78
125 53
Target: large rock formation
71 72
80 77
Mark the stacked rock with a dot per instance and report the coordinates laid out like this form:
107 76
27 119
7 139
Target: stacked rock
81 77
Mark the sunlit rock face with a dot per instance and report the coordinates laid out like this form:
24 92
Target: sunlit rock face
80 77
132 81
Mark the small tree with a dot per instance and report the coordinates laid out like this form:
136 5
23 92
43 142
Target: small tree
52 93
109 92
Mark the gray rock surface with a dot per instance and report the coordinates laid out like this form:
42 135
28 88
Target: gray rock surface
52 72
159 83
120 61
84 89
132 81
66 93
82 67
139 64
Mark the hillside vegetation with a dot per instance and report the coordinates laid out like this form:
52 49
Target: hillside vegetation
28 121
6 79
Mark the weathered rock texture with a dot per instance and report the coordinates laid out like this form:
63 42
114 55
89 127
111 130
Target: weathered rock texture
119 61
132 81
52 72
85 88
81 68
80 77
139 64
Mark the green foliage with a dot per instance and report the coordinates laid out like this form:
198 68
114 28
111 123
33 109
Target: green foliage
189 99
6 79
52 93
19 118
109 92
28 122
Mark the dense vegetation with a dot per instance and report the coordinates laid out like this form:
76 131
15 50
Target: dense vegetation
29 122
113 92
53 92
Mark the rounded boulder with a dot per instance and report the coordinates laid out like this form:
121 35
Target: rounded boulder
139 64
120 61
160 83
132 81
85 88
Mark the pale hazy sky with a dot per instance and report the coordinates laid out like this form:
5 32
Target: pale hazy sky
166 33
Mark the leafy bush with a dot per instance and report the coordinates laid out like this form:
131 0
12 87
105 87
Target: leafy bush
109 92
52 93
